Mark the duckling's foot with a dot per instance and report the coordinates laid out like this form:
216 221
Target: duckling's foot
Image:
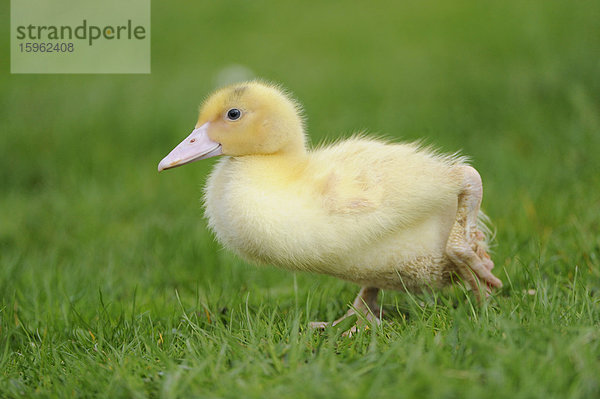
364 306
466 244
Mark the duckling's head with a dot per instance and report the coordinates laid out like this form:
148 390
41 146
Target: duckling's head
251 118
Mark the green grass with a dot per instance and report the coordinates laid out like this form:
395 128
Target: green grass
111 285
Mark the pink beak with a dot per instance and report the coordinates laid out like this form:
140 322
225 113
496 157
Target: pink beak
196 146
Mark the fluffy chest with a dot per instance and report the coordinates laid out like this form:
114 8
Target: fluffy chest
263 216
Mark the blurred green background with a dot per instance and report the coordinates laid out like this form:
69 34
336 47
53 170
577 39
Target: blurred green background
95 243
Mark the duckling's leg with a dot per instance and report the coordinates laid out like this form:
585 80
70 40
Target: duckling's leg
365 304
465 245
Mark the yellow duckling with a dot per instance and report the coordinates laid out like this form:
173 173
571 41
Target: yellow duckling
381 215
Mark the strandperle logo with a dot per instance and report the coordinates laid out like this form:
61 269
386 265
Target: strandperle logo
80 36
84 31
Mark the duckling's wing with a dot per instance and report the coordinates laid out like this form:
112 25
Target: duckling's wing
352 192
392 185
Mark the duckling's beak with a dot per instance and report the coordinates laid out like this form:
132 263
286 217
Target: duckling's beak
196 146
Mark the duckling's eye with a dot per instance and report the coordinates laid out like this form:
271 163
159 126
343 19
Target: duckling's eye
234 114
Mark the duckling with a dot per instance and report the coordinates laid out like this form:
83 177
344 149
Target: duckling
379 214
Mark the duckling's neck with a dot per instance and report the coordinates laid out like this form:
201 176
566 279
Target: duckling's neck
280 167
296 146
291 159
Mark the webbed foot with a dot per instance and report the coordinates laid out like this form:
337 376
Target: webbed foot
466 246
364 306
